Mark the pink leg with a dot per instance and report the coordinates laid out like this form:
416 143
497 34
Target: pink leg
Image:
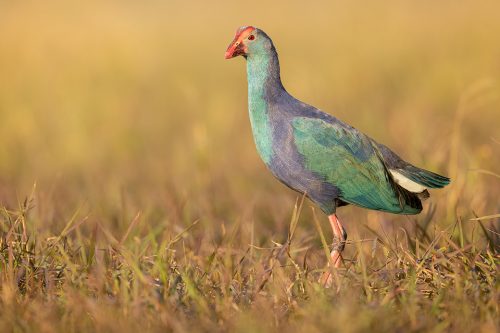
339 238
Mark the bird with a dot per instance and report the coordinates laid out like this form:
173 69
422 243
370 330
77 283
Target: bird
318 155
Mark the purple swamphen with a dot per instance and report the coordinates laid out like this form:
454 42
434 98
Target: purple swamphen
318 155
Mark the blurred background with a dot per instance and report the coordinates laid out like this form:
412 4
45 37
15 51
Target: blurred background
114 108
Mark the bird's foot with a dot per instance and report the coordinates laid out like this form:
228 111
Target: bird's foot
327 278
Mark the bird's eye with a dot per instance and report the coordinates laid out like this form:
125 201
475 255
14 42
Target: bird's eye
251 37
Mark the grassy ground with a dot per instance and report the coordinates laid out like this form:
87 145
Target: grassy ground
132 198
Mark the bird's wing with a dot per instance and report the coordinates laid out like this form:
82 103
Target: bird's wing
349 160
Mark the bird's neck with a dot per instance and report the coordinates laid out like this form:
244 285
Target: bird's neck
263 71
264 88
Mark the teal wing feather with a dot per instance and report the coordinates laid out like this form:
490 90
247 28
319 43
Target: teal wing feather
348 159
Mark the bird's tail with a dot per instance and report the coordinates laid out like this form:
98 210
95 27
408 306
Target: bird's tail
423 177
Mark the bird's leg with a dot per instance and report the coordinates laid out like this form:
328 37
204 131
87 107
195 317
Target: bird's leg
339 239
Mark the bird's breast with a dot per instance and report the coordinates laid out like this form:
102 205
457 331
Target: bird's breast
261 128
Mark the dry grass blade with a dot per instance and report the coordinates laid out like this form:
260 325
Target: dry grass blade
130 227
487 217
179 236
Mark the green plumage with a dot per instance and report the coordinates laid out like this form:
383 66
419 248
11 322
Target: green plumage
349 160
257 106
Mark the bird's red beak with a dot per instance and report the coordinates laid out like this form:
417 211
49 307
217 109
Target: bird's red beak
237 47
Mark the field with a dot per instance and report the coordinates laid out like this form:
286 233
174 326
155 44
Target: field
132 197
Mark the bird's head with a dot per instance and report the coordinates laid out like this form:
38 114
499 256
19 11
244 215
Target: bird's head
247 42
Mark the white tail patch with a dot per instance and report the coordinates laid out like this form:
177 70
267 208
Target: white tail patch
406 183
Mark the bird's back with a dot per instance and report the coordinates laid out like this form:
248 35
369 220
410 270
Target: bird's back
332 162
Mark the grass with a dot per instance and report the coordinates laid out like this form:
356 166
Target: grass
132 198
432 281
